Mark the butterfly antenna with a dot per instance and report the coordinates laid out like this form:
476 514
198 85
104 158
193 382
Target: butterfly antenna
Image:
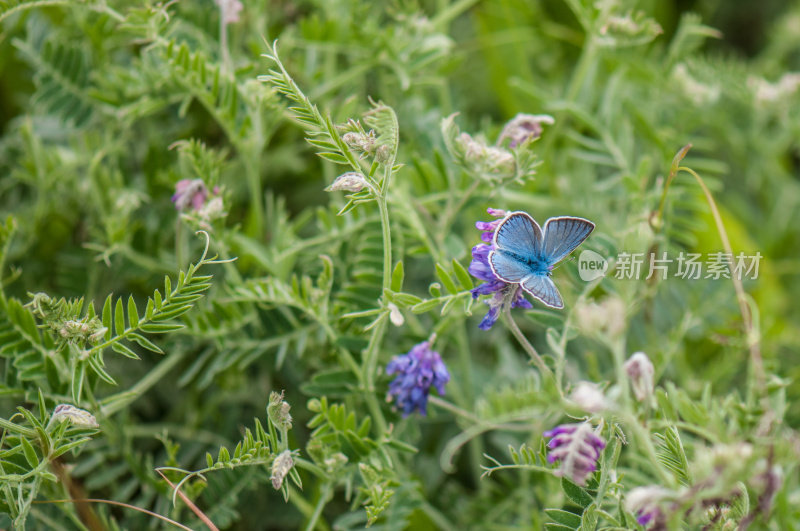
570 259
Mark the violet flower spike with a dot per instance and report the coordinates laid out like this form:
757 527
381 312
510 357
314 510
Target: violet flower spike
503 293
576 448
417 371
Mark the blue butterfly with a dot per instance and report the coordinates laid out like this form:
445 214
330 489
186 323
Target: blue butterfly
524 254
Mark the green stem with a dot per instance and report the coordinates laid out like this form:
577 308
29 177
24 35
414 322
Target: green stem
644 441
324 494
618 352
387 242
752 336
526 345
370 368
255 221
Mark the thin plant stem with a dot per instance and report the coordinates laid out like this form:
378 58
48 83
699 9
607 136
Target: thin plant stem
644 442
752 337
618 353
323 500
526 345
370 368
120 504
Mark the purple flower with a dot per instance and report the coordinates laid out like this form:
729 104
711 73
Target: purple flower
190 192
502 293
645 503
417 371
576 448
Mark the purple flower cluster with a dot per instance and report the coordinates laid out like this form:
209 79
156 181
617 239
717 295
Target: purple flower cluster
576 448
502 292
417 371
190 192
193 194
645 503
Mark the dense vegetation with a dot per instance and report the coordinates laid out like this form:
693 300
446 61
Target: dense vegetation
242 284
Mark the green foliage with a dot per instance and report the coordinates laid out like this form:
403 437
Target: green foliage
350 258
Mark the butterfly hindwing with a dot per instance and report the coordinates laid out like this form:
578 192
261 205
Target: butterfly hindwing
542 288
562 235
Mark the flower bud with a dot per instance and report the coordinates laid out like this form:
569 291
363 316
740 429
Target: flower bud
78 417
606 317
524 128
383 154
589 397
278 411
281 466
190 193
395 315
640 370
349 182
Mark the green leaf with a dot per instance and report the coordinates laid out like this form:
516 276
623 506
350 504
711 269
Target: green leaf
575 493
172 312
397 276
160 328
97 365
333 157
30 453
406 299
77 382
107 317
144 342
403 447
133 313
447 282
125 351
589 518
119 318
61 450
223 456
426 306
462 275
42 407
559 516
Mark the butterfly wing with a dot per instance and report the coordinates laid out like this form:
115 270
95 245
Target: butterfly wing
542 288
562 235
517 242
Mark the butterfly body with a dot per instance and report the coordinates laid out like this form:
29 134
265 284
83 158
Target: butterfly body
536 263
525 254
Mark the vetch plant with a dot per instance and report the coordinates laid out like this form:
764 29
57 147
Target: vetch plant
336 186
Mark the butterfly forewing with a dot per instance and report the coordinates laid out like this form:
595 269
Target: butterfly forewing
562 235
519 233
517 242
541 287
